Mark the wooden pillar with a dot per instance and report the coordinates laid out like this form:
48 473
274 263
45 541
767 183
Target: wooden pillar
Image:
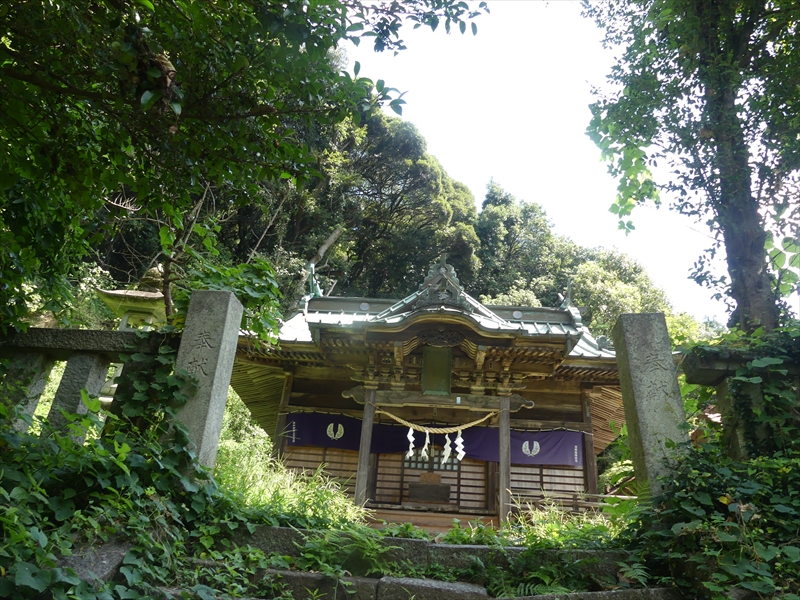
589 463
491 486
505 459
362 474
589 457
279 443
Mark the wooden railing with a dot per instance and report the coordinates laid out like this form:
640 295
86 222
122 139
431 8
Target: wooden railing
578 502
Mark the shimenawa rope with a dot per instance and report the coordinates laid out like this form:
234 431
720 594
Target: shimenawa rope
424 429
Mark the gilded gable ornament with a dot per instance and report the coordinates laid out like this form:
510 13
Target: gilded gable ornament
440 339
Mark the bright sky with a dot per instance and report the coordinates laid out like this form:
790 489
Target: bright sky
512 104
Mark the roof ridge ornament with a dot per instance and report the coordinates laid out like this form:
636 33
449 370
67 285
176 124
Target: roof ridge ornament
441 286
566 304
567 300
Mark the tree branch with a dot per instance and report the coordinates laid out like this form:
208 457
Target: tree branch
275 214
65 89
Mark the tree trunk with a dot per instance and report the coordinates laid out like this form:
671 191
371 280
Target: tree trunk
735 207
741 224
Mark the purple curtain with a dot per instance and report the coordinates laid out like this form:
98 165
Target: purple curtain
559 447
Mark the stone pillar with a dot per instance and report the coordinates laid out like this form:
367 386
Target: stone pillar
364 448
207 351
504 467
84 372
733 434
24 383
650 394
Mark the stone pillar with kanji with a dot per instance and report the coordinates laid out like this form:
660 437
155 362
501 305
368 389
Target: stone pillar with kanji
207 352
651 396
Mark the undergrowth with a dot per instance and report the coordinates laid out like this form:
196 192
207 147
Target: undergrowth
729 516
261 484
135 480
721 523
724 523
547 526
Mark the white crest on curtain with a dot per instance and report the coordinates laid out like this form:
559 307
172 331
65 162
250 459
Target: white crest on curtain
337 434
530 451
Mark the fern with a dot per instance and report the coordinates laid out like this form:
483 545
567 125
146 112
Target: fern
539 589
635 572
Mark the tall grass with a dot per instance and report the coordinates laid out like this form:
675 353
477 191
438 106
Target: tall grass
546 526
551 526
263 485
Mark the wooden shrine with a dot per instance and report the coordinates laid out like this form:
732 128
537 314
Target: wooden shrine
436 402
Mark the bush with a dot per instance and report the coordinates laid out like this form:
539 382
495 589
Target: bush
723 523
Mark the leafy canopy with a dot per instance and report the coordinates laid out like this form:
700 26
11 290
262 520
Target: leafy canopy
708 88
148 105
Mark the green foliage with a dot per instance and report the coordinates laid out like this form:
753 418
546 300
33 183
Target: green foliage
405 530
685 331
167 108
353 549
616 477
723 523
764 393
253 284
59 495
134 480
553 527
545 527
610 284
535 571
516 242
237 423
517 295
523 262
477 533
699 89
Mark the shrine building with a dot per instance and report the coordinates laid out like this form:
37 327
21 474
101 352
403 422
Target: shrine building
436 403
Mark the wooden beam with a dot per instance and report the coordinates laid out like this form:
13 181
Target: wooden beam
466 401
505 459
589 457
363 470
531 424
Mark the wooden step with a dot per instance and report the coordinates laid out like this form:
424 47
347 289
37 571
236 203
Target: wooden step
431 521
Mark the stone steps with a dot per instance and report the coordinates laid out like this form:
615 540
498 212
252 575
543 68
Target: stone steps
101 564
315 586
